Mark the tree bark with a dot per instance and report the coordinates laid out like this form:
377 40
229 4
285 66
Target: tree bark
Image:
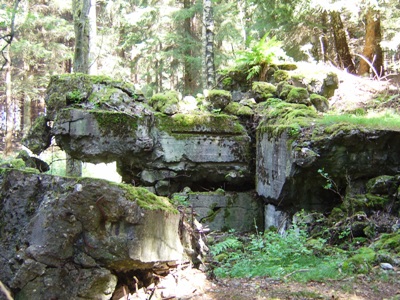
323 38
208 38
9 103
84 13
85 33
189 72
342 48
372 48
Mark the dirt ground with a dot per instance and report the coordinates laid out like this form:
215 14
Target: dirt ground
193 284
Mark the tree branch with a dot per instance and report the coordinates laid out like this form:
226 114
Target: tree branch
8 38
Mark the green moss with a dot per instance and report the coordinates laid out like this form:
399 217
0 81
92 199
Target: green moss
388 241
162 101
245 111
281 75
340 128
280 116
115 122
232 108
298 95
287 66
361 262
146 199
319 102
67 89
216 123
264 89
219 93
16 163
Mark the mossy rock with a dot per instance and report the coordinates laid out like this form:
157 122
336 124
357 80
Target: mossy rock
79 89
341 128
245 111
320 103
388 241
365 202
166 103
281 75
287 67
218 99
146 199
361 262
232 108
331 83
216 123
39 136
237 109
299 96
383 185
283 89
263 90
280 116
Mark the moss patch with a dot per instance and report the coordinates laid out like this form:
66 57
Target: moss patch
166 102
361 262
211 123
115 122
299 95
146 199
281 75
279 116
389 241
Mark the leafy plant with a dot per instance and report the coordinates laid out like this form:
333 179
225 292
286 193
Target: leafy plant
264 52
274 255
231 242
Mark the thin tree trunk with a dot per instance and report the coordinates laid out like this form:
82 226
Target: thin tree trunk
323 38
208 38
9 103
342 48
84 13
188 78
372 49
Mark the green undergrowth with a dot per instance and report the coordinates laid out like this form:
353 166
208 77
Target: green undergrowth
388 121
286 257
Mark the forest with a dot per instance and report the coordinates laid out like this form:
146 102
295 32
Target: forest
256 145
160 45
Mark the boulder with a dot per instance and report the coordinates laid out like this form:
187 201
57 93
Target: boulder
64 238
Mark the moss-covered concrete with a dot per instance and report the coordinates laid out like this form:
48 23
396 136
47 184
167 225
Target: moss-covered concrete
146 199
279 116
166 102
78 89
197 123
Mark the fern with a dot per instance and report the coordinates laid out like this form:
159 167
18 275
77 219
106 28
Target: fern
230 243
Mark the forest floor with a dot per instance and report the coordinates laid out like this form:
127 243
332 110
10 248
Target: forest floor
379 285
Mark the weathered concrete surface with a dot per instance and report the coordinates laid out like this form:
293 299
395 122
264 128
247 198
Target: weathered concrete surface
222 210
167 153
287 168
66 238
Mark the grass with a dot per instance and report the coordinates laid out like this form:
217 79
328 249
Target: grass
385 120
272 255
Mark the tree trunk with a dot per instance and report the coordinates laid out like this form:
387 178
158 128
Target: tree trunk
342 48
188 77
208 38
9 103
323 38
372 48
85 30
84 13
